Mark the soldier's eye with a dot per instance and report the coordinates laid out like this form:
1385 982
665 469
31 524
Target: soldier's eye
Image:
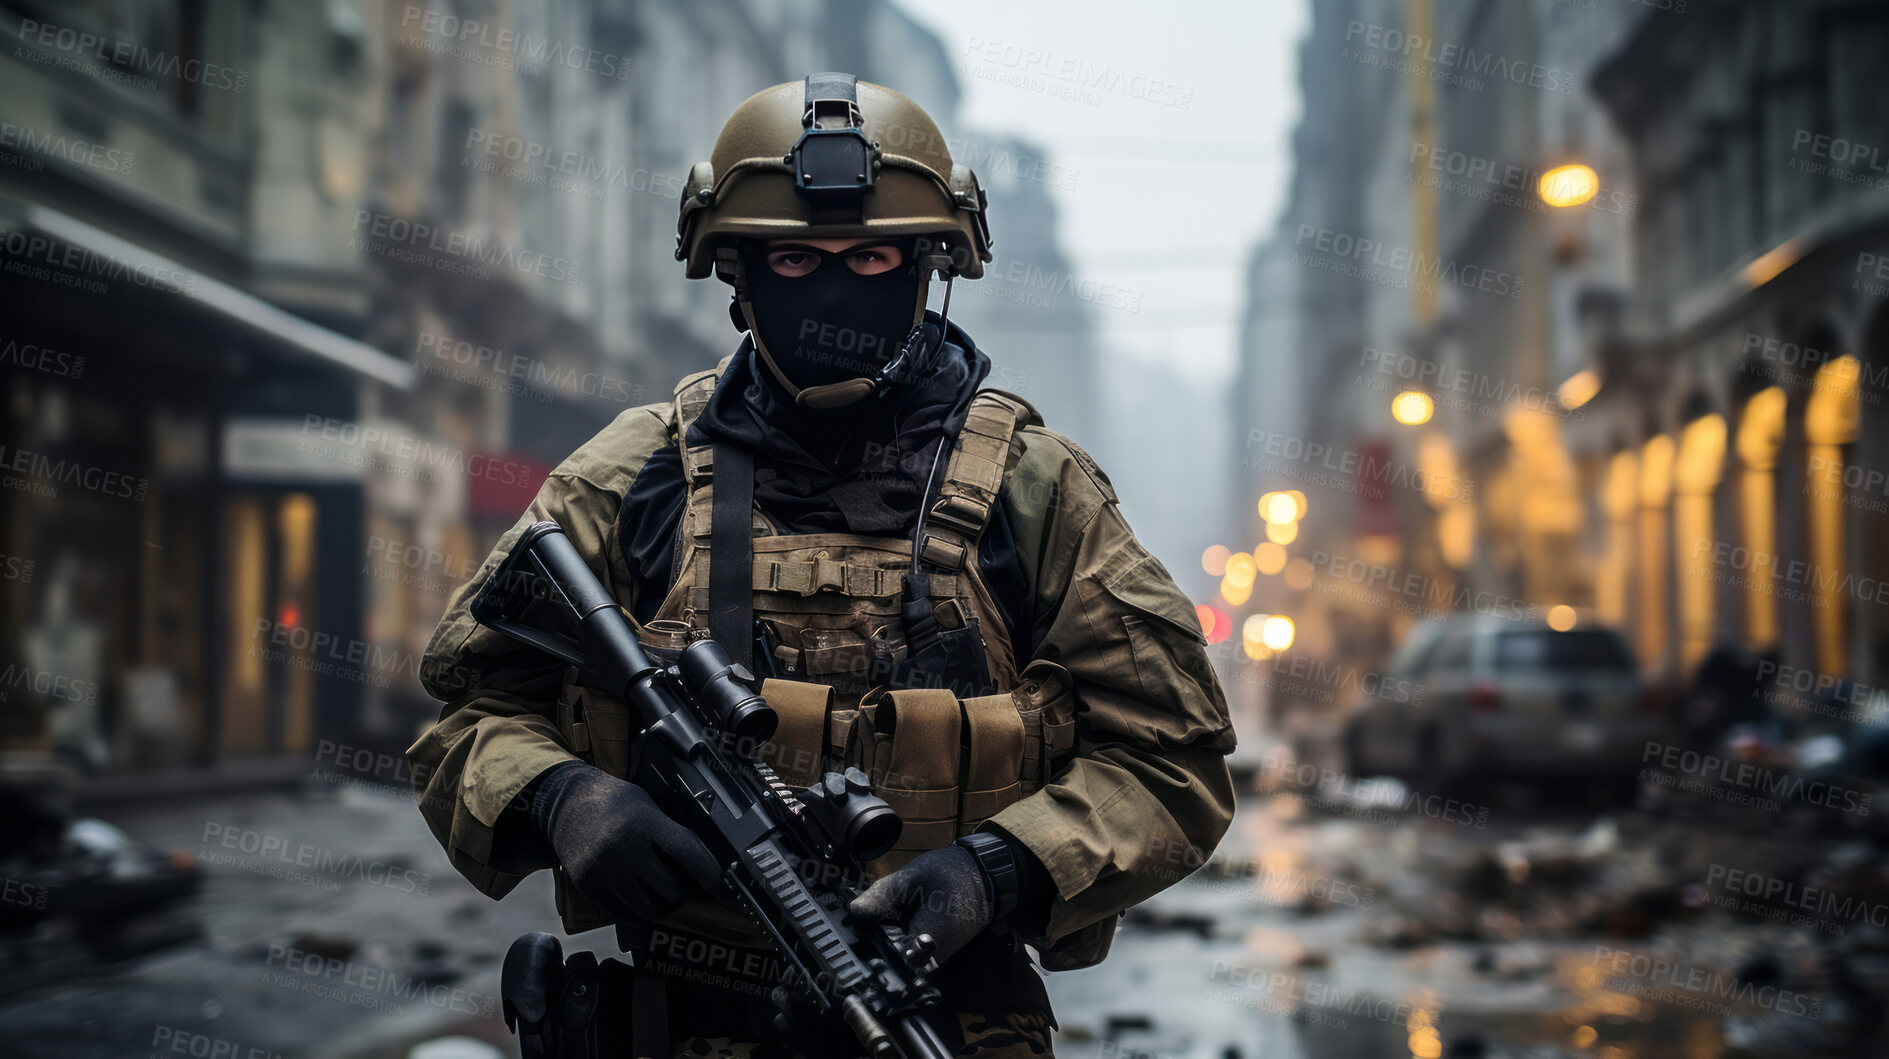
874 260
792 263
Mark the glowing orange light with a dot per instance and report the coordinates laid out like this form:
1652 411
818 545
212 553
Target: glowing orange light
1579 389
1277 632
1412 408
1278 507
1569 185
1773 261
1235 593
1269 558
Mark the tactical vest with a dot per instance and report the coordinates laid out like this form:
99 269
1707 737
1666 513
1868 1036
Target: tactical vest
945 755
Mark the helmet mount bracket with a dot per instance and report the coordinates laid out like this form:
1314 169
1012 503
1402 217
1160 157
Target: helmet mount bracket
834 164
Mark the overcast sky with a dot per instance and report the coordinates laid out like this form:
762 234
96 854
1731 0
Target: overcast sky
1168 199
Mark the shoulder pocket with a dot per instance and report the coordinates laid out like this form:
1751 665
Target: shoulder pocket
1135 577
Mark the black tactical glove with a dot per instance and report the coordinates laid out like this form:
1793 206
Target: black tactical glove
942 892
617 847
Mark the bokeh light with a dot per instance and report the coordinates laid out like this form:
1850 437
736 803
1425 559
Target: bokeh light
1412 408
1569 185
1579 389
1270 558
1235 593
1214 622
1278 507
1214 559
1277 632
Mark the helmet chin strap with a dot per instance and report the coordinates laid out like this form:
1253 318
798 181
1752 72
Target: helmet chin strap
851 391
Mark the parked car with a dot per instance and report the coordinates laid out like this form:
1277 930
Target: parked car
1505 699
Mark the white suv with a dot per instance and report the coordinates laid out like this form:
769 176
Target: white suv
1505 699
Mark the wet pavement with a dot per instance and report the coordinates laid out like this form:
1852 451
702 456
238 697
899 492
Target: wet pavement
1334 927
1331 923
330 925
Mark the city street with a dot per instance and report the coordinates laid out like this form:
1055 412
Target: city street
1379 500
1333 922
316 958
1331 927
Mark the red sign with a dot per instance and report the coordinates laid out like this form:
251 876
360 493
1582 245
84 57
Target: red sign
502 484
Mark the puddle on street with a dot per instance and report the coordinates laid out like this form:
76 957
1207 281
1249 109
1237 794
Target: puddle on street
1323 935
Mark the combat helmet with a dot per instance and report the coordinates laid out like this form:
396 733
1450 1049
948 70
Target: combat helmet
834 157
831 156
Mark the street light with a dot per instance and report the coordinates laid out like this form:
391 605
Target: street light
1253 637
1412 408
1240 568
1276 507
1569 185
1277 632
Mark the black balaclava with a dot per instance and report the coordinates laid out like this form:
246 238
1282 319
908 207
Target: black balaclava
831 327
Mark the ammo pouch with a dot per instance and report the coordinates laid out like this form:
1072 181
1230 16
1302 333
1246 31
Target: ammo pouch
945 763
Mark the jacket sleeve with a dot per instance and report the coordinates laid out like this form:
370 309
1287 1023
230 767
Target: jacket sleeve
498 729
1147 796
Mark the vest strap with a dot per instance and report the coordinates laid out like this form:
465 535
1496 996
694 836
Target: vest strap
692 394
730 556
974 478
826 575
698 464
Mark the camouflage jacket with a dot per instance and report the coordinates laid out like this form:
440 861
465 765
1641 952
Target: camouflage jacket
1144 800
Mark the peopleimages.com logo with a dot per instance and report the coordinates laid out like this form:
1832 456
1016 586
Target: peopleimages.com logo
425 244
500 47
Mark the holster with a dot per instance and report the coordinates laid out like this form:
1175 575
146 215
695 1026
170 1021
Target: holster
580 1008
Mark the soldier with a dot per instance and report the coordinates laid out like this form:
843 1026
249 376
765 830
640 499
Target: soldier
940 590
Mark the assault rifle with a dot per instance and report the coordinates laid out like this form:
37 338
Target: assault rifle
792 856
